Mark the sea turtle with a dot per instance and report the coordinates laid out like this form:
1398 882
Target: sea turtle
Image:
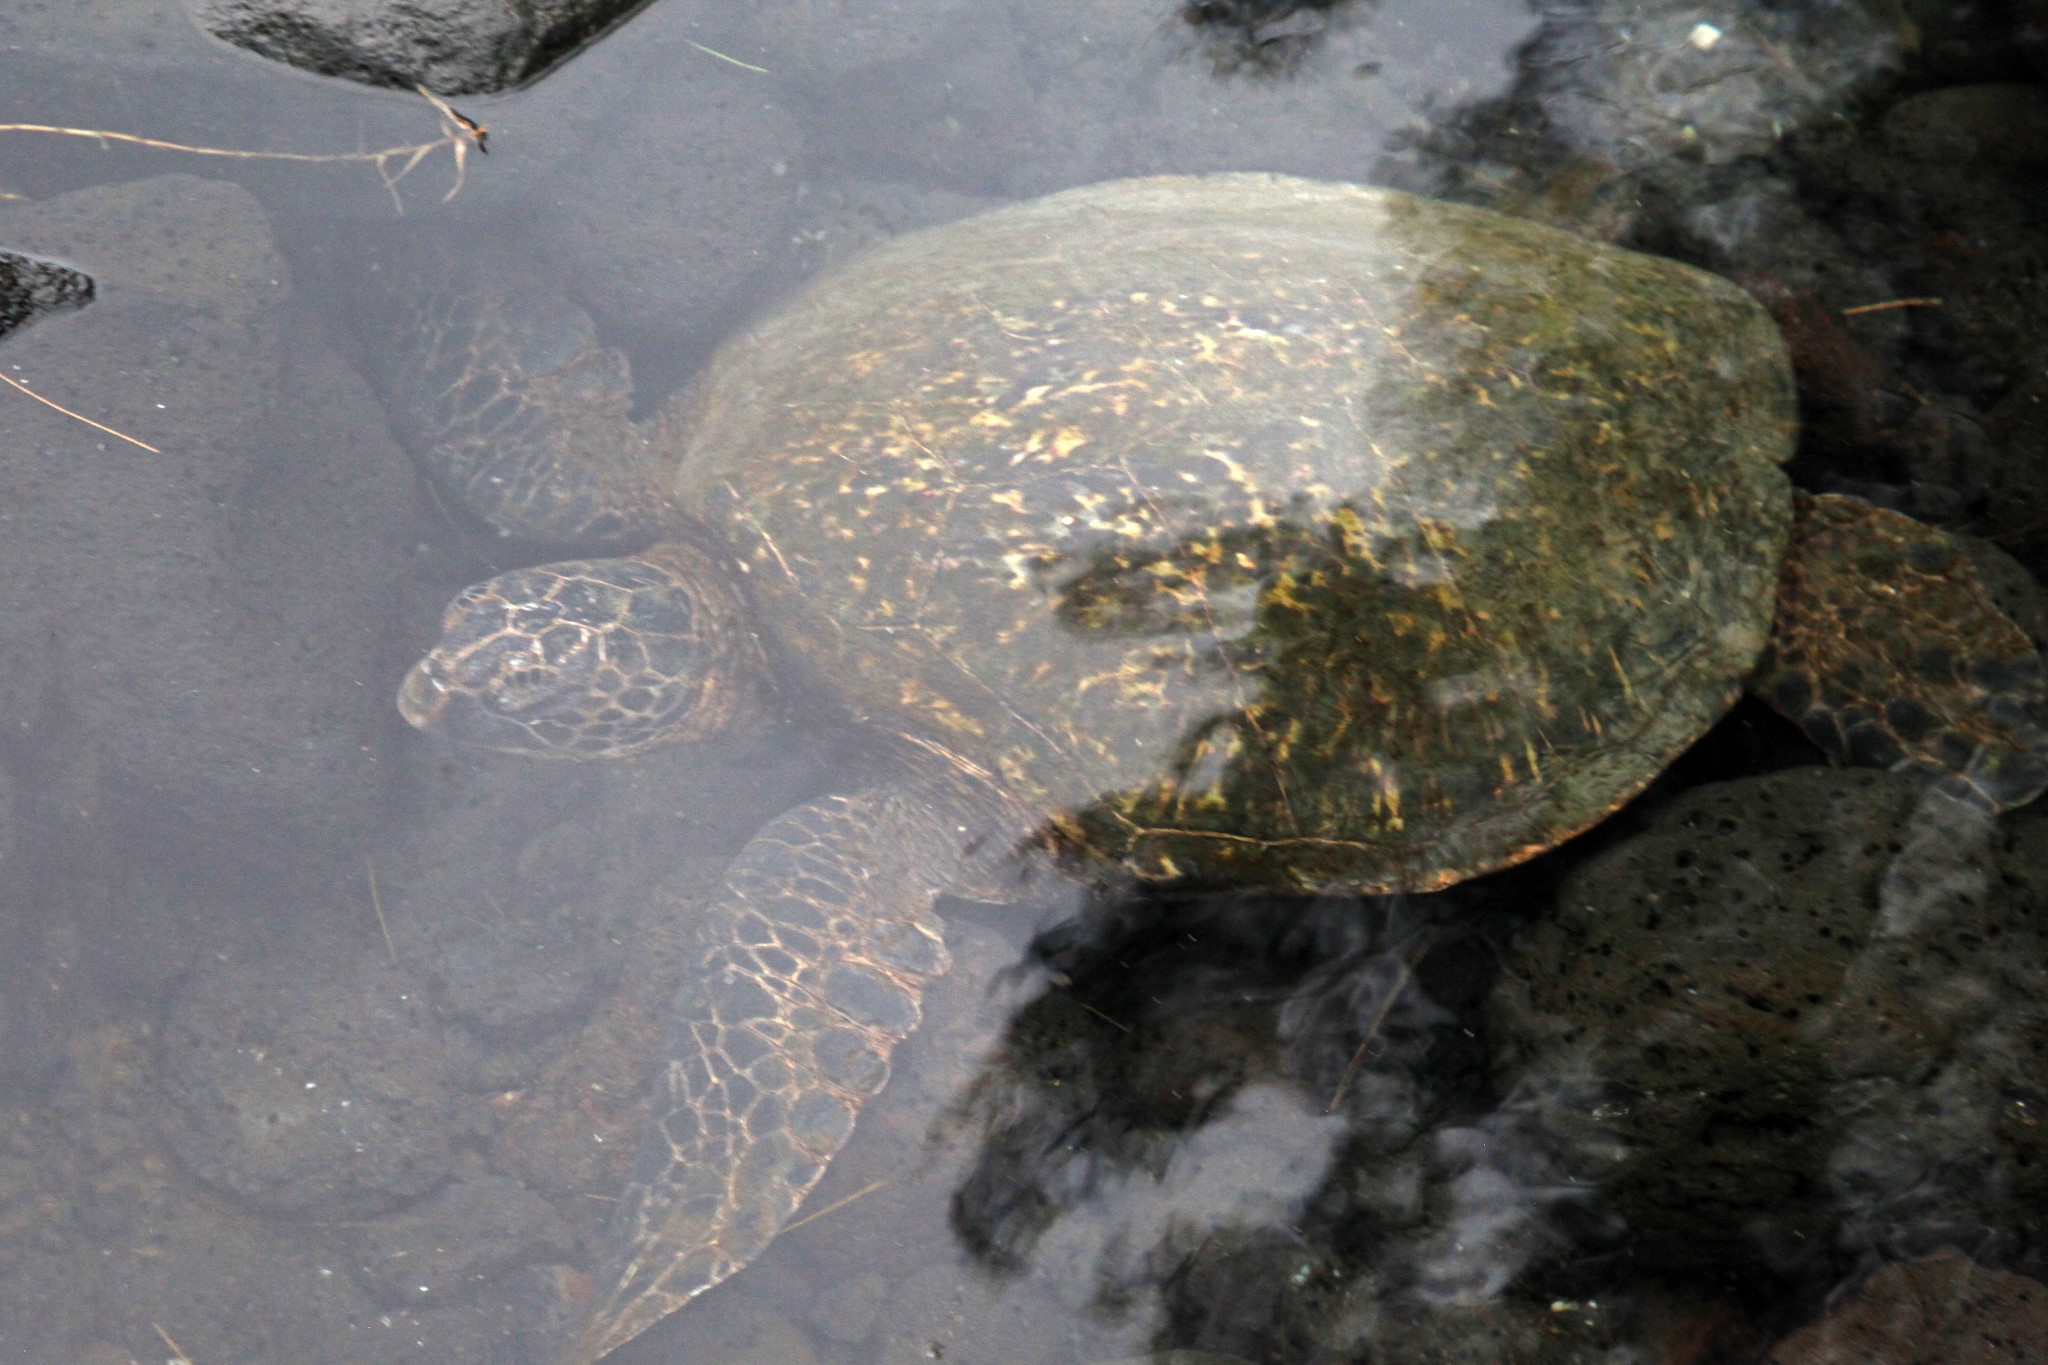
1227 530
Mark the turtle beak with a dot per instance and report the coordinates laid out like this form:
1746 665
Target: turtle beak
423 696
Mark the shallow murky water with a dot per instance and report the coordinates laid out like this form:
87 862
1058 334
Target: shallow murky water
323 1040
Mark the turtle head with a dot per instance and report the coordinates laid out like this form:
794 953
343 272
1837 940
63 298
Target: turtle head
591 658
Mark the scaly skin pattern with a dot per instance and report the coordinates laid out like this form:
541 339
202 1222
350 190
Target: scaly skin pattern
1890 654
657 647
823 942
523 416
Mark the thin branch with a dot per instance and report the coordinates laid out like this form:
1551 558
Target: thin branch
1889 304
79 417
377 904
834 1207
178 1356
458 133
1113 1023
714 52
1379 1017
479 133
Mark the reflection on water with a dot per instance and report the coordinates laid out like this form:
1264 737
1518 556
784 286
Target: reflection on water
320 1041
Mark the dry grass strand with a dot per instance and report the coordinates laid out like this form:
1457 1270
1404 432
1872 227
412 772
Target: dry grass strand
458 133
178 1356
78 417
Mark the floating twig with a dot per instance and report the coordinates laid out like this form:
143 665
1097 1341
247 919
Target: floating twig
861 1193
714 52
1113 1023
178 1356
1379 1018
1889 304
458 133
377 904
479 133
79 416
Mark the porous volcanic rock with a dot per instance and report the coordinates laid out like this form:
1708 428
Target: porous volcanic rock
1939 1310
1796 1011
453 47
193 635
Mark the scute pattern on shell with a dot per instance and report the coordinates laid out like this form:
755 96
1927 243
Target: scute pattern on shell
1260 530
1890 653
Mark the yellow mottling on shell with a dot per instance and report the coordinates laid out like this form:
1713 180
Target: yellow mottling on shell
915 696
1131 681
1249 542
1285 592
1283 747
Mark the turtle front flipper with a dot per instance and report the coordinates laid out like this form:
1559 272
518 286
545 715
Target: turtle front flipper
510 403
1890 652
821 941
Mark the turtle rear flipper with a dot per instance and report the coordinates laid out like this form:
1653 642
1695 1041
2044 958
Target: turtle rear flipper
512 404
1890 651
821 941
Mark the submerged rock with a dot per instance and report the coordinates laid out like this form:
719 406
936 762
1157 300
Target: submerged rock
444 1249
661 214
31 287
453 47
192 634
1939 1310
1795 1011
327 1094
